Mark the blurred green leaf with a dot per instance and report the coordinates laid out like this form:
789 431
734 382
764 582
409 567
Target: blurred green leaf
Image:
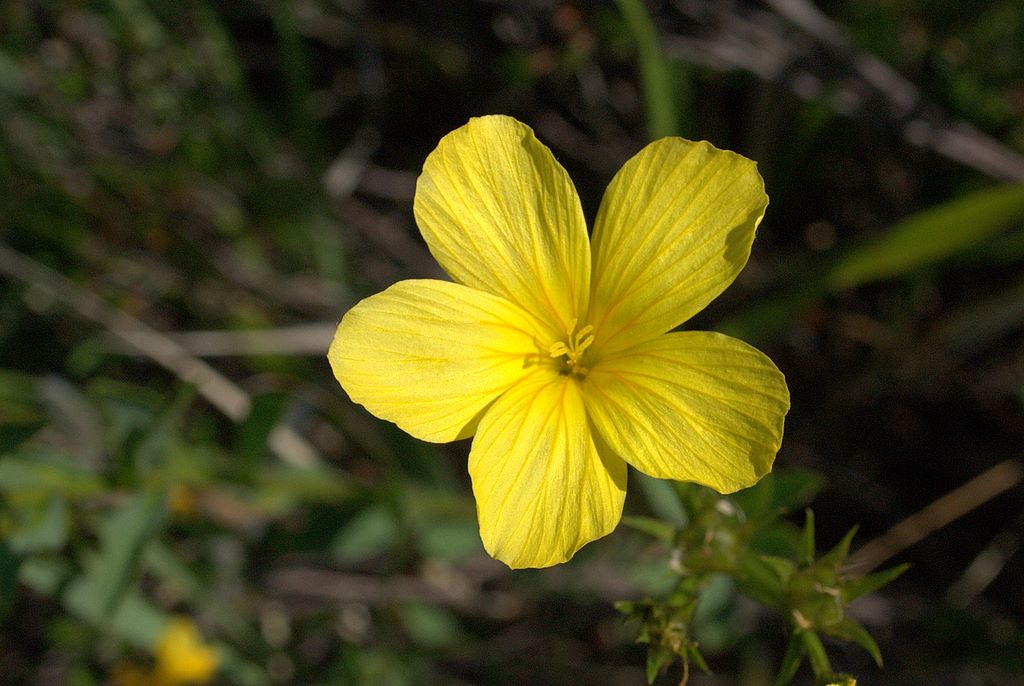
44 575
850 630
136 621
780 491
429 625
663 531
764 578
839 553
815 652
790 660
251 435
34 473
283 486
165 564
451 539
856 588
41 527
929 236
162 436
662 498
124 535
658 658
369 533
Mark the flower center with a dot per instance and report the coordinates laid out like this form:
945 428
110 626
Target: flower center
572 348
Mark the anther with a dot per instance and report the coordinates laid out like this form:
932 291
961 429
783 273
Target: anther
572 348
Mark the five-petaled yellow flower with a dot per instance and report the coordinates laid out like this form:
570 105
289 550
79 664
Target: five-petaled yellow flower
553 350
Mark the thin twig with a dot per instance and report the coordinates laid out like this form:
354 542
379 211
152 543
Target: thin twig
298 339
947 509
325 585
220 391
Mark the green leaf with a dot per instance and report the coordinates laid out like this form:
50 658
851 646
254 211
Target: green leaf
430 626
656 528
136 621
929 236
123 539
815 653
251 435
369 533
850 630
780 491
161 436
658 658
842 549
764 578
662 498
165 564
43 527
694 654
34 473
790 660
283 486
855 588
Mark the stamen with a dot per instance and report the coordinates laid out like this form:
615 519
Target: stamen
558 349
572 349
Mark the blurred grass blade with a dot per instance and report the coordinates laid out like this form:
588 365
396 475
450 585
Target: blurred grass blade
660 94
930 236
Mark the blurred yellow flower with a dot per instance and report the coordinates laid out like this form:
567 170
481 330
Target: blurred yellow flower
181 659
553 350
181 656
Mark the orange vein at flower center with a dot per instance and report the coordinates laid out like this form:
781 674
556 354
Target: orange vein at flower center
569 352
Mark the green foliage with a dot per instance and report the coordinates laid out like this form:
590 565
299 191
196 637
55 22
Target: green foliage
936 233
810 591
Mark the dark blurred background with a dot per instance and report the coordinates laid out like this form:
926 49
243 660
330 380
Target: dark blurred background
192 193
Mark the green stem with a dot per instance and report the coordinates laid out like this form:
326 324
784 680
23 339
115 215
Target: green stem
655 70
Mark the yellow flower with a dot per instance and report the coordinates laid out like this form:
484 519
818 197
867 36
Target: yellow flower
181 656
553 350
180 659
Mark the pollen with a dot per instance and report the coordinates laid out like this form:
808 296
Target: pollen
572 348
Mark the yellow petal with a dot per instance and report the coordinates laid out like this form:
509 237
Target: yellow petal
501 215
430 355
543 489
673 231
691 406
